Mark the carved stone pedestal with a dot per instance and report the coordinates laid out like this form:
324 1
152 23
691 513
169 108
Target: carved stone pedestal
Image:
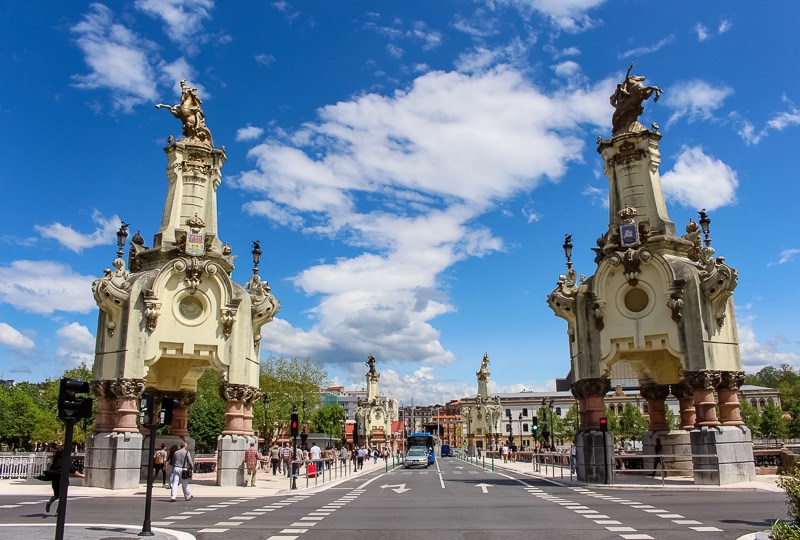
595 453
113 460
231 450
731 451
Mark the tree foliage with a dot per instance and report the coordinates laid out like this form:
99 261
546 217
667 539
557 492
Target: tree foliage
207 413
328 419
288 383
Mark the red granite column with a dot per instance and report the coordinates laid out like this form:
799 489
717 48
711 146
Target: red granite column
685 396
703 383
127 392
728 395
238 408
106 416
590 394
656 394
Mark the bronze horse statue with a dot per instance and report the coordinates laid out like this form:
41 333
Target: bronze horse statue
627 100
190 113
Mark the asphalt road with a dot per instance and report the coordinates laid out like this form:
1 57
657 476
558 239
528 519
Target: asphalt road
451 500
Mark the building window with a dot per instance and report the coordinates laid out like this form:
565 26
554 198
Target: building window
508 428
762 403
558 411
524 428
524 412
754 403
646 409
508 413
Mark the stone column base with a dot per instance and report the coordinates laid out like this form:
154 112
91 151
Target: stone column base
676 448
593 448
733 448
112 460
230 457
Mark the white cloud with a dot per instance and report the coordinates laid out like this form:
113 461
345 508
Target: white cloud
45 287
118 58
701 31
264 59
394 51
648 49
787 255
249 133
700 181
567 15
778 122
75 241
404 177
183 19
597 195
567 69
695 99
11 337
757 355
77 345
724 26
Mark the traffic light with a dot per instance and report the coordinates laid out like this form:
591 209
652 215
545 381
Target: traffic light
535 426
604 424
165 414
70 407
146 410
295 426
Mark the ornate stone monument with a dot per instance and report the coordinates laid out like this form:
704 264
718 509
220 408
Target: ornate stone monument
482 413
663 304
374 415
173 313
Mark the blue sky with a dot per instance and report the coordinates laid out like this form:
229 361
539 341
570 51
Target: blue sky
410 168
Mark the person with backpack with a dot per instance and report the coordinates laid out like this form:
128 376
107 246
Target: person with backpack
160 464
182 468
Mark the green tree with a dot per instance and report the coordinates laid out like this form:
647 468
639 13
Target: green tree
288 383
571 423
328 419
673 420
773 424
751 417
207 413
632 423
613 422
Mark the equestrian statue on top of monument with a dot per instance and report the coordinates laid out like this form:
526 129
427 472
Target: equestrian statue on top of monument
190 113
627 100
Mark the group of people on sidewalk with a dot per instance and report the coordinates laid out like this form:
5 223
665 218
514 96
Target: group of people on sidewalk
181 465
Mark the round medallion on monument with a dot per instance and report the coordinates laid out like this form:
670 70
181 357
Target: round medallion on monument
191 309
636 302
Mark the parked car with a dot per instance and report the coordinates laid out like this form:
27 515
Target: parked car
416 457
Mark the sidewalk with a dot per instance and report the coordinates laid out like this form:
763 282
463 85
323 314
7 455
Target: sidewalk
767 482
201 485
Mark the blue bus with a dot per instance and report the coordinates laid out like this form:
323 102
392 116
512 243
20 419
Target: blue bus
422 439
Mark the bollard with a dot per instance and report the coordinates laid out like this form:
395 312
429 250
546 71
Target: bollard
492 463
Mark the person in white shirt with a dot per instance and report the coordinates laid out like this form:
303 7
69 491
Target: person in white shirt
316 456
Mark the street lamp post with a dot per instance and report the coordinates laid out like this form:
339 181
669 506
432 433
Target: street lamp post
520 429
552 425
510 428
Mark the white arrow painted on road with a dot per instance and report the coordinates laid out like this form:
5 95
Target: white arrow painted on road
400 488
484 487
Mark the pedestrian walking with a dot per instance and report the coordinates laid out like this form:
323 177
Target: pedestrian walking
182 468
286 459
54 472
354 458
160 465
316 455
573 458
251 458
658 460
275 459
361 453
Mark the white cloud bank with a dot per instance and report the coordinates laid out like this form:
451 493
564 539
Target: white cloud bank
403 178
45 287
13 338
104 234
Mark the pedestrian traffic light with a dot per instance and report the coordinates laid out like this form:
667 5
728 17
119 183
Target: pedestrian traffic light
295 426
165 414
604 424
535 426
146 410
70 407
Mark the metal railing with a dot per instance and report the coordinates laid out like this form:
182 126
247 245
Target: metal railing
17 466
